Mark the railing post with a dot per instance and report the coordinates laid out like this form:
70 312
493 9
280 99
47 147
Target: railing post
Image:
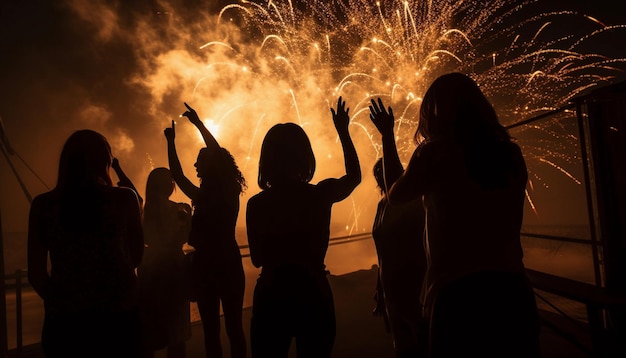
18 310
4 344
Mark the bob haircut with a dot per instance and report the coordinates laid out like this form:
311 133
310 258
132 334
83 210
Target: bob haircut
286 157
85 161
455 108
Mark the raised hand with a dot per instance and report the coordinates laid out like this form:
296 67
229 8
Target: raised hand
341 117
191 114
382 119
115 164
170 133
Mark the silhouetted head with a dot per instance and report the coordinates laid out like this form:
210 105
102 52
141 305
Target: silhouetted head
379 174
85 161
205 164
286 157
455 108
160 184
211 165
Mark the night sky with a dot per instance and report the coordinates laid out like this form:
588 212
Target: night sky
65 67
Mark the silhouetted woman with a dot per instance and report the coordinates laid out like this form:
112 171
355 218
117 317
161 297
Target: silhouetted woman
164 306
92 234
472 178
288 232
218 270
398 236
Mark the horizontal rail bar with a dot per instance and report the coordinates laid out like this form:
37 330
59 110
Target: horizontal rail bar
561 238
347 237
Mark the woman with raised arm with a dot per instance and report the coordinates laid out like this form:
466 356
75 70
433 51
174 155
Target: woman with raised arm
217 268
288 225
472 178
91 231
398 236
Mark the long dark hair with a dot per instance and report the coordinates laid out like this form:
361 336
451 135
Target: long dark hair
84 168
378 171
286 156
228 170
455 109
160 185
85 161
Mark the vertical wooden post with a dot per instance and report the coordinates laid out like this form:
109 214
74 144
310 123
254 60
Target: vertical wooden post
4 344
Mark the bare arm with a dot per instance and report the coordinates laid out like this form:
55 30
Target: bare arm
134 227
176 169
254 240
124 180
348 182
384 122
209 140
37 252
212 146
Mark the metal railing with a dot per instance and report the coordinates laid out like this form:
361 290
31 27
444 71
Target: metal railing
17 282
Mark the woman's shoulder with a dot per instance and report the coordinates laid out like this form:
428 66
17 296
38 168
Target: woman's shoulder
45 200
432 152
121 194
181 209
254 199
182 206
49 196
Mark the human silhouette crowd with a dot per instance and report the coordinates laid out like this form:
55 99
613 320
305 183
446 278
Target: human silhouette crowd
110 267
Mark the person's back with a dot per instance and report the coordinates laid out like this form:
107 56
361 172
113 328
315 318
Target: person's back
288 225
164 307
472 178
470 228
297 218
91 267
92 234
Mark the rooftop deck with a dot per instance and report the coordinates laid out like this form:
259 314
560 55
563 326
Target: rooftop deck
359 334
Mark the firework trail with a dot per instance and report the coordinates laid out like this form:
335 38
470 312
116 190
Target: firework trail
258 63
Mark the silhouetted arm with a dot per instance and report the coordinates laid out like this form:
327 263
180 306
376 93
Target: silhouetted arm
209 139
211 143
176 169
254 237
348 182
134 230
37 252
384 122
124 180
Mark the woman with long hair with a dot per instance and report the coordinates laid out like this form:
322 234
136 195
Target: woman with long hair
288 226
164 305
92 233
472 178
218 274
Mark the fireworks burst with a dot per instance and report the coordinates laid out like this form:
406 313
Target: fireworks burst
264 62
